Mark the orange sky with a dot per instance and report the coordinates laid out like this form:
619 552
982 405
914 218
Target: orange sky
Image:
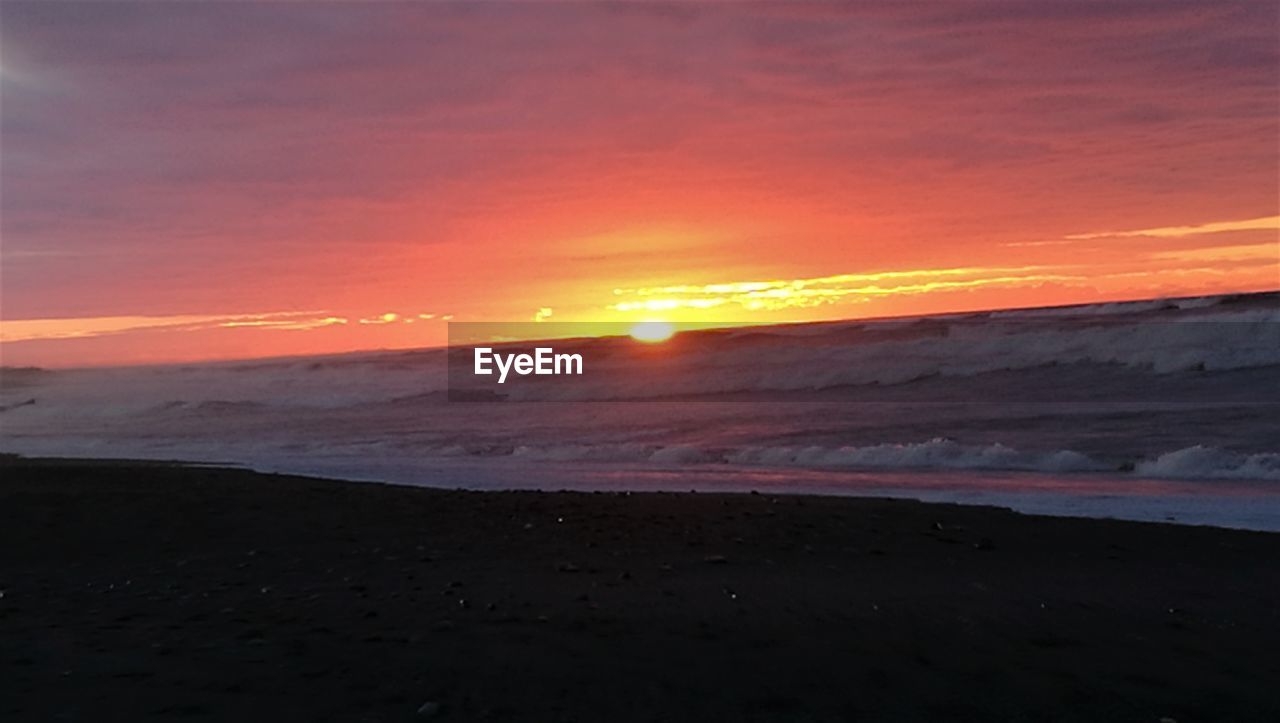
249 179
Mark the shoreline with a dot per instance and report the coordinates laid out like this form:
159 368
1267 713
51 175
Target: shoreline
1191 503
148 589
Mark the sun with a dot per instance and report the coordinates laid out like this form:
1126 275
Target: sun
652 332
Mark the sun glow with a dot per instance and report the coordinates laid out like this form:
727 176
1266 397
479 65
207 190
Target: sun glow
652 332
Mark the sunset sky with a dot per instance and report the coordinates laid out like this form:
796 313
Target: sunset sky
237 179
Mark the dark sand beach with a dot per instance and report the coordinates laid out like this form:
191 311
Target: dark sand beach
136 591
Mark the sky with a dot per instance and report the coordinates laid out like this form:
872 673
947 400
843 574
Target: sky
185 181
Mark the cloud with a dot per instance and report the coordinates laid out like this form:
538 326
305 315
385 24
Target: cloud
1268 223
842 288
285 324
75 328
389 317
1267 251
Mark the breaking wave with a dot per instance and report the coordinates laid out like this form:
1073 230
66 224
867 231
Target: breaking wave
933 454
1197 462
1209 463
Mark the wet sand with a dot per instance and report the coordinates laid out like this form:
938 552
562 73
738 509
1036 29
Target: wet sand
144 591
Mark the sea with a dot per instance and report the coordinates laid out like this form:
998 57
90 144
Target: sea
1161 410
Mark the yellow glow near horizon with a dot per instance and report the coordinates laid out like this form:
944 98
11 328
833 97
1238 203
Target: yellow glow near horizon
652 332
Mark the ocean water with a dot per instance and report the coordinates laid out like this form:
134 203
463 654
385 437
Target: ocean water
1154 410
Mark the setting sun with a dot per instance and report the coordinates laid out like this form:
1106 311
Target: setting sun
652 332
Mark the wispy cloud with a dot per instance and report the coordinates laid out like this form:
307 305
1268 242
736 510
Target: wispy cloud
844 288
388 318
1253 224
76 328
1266 251
286 324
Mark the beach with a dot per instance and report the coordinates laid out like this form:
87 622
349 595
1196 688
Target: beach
160 591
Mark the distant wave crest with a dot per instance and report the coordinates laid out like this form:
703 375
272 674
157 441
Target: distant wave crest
1200 462
1196 462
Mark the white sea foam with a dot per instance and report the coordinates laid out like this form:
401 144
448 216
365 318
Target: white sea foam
1194 462
1112 308
1210 463
934 454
